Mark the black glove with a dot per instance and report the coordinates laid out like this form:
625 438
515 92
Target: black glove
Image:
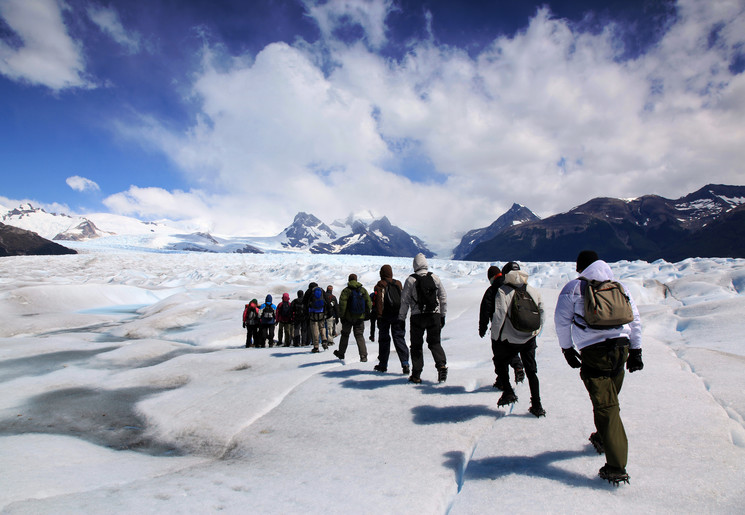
634 362
572 357
244 325
442 322
482 332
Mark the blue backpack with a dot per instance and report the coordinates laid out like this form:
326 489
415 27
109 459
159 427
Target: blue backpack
356 303
317 301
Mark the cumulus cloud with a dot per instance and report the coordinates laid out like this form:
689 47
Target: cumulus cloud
107 19
46 55
549 117
81 183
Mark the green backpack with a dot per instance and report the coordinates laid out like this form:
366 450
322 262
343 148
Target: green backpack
606 304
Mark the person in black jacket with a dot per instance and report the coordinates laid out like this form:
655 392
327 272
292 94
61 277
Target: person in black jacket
486 313
299 320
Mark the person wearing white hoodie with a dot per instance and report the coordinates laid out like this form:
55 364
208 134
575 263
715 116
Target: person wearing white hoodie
601 357
428 310
507 341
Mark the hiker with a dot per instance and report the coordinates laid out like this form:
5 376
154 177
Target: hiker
486 313
284 321
251 322
386 305
373 316
424 293
603 350
317 311
354 307
299 320
307 339
332 318
518 318
267 320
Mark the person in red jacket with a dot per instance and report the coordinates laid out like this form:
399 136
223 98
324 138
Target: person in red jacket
251 322
284 321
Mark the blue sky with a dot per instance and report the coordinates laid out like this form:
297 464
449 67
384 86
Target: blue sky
237 115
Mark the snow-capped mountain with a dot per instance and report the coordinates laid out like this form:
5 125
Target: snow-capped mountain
305 231
52 226
15 241
378 238
516 215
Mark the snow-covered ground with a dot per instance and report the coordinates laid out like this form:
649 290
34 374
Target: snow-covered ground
125 388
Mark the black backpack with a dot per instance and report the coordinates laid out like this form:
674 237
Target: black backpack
392 299
523 311
426 293
267 315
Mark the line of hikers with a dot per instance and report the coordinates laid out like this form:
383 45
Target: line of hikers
597 324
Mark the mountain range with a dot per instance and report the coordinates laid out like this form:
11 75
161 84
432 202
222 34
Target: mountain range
707 223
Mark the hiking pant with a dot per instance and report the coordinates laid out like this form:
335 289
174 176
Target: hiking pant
394 329
307 336
359 335
266 335
330 330
432 324
298 333
317 330
285 330
252 335
505 353
602 372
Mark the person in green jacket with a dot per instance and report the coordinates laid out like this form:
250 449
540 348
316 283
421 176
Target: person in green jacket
354 308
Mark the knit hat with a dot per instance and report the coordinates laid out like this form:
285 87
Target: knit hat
386 272
300 294
509 267
352 277
585 259
493 270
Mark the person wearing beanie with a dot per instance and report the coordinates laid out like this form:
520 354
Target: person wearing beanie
386 305
299 320
517 322
284 321
486 313
600 353
251 323
354 308
267 320
425 295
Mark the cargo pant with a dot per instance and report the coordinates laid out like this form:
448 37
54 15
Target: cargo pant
431 323
602 372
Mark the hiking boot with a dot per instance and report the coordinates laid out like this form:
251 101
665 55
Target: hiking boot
507 397
613 475
597 442
537 410
498 385
519 375
415 379
405 370
379 368
338 354
363 359
314 349
325 347
442 374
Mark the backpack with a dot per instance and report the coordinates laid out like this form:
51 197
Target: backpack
606 304
392 299
252 317
317 301
267 315
285 310
426 293
356 303
523 312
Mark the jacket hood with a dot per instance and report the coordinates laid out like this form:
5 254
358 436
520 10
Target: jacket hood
386 272
598 271
354 284
516 278
285 296
268 299
420 262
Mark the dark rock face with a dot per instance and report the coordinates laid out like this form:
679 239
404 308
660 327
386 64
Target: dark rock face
516 215
19 242
707 223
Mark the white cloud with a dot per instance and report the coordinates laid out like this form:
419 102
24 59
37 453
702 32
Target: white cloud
47 55
549 118
369 15
81 183
107 19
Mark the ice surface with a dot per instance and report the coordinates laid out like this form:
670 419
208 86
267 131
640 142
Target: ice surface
125 388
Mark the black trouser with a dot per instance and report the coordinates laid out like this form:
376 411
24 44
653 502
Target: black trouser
298 334
432 324
388 329
505 352
602 372
252 335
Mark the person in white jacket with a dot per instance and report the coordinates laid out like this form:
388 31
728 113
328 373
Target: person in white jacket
601 357
507 341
